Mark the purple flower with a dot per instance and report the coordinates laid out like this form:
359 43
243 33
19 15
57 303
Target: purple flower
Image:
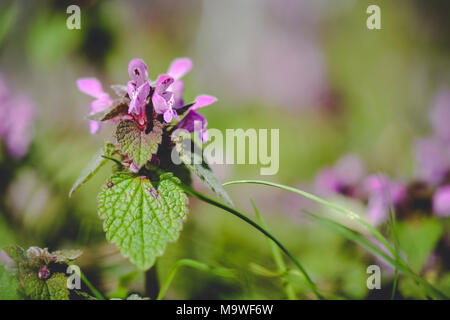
441 201
194 121
382 193
138 88
16 117
168 95
163 99
93 87
346 173
432 160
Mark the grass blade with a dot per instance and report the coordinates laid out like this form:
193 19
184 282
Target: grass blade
277 257
350 214
243 217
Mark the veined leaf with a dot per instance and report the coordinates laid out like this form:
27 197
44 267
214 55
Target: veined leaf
136 143
54 288
119 108
194 161
141 218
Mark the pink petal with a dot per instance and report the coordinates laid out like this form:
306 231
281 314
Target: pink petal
179 67
163 82
159 103
94 126
137 69
168 116
203 101
177 88
90 86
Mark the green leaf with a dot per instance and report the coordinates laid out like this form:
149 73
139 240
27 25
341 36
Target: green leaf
65 256
119 108
15 252
418 239
136 143
54 288
141 219
57 287
91 169
9 285
197 164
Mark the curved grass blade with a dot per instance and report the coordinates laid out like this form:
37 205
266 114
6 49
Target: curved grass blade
350 214
398 264
241 216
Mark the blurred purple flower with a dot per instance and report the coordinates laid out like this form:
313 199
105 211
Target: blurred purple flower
432 160
441 201
346 173
93 87
15 127
194 121
382 193
178 68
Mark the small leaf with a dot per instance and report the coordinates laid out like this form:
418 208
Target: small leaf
136 143
120 90
34 288
57 287
195 162
9 285
65 256
141 219
119 108
91 169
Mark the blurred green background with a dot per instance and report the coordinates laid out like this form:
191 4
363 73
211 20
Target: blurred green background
309 68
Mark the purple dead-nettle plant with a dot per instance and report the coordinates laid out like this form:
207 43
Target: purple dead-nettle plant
144 203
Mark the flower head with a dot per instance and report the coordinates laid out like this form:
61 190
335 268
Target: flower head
382 194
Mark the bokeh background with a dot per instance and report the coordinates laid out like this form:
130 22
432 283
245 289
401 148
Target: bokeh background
309 68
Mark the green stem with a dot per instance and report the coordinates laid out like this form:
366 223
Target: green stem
277 257
96 293
206 199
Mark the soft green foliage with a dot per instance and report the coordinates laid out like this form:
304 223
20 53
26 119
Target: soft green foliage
195 162
136 143
141 218
9 285
417 239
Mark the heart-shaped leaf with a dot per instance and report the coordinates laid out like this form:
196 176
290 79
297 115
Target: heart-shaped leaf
136 143
141 218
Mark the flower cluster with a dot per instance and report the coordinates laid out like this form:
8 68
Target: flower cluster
15 128
428 192
147 101
347 177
